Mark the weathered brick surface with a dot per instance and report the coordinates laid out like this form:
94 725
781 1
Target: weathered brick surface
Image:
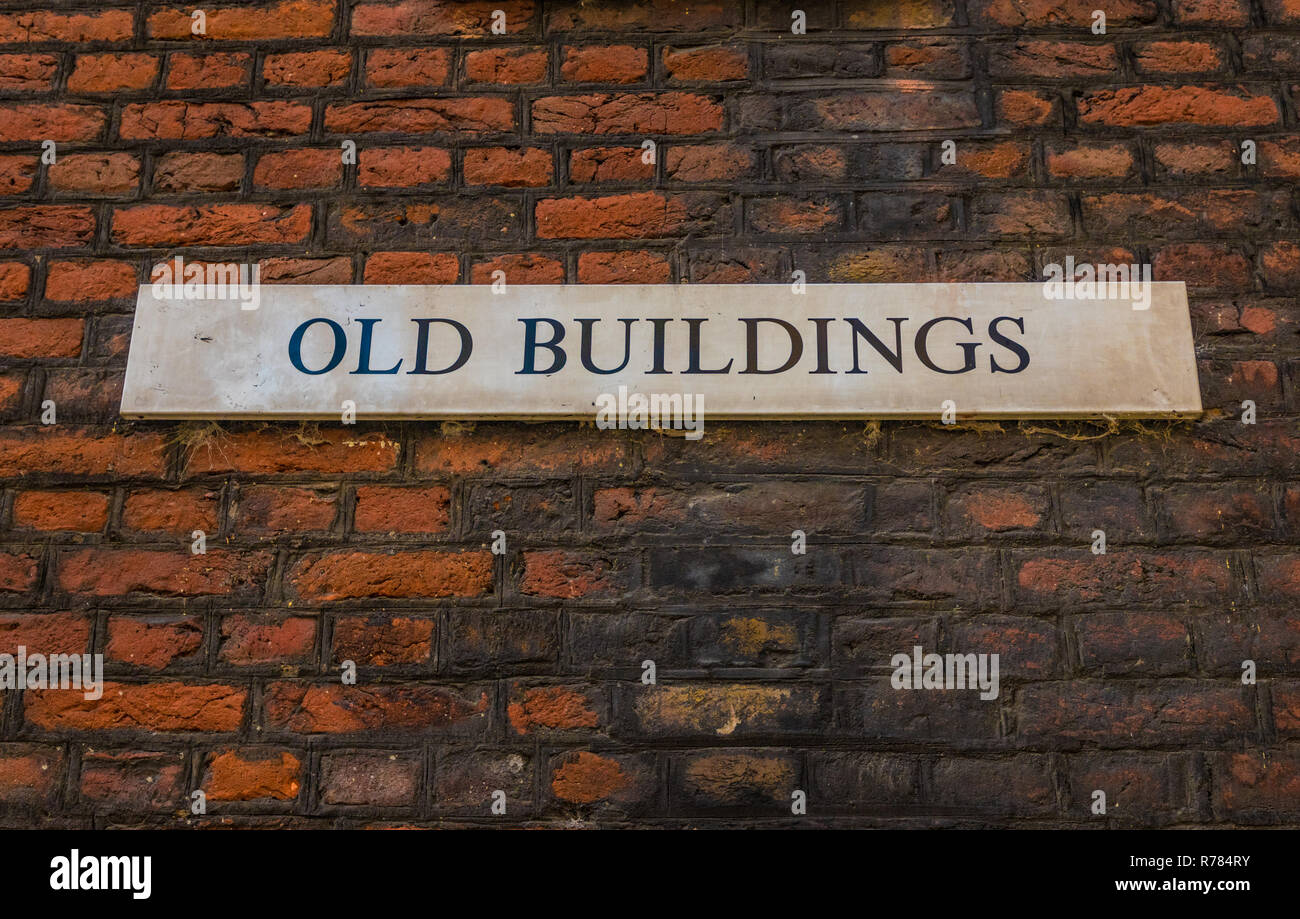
521 150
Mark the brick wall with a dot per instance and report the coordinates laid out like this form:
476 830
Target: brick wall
522 152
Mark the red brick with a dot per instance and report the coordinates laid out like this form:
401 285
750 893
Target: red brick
1258 786
210 224
610 164
403 167
327 67
153 642
531 450
469 18
96 173
85 512
209 71
550 709
1122 714
328 452
134 781
1278 576
1178 57
1154 105
708 163
421 116
82 26
644 215
1211 158
905 14
11 389
29 774
604 64
1053 60
383 641
627 113
1027 213
198 172
1281 12
393 708
31 338
1124 575
1201 266
506 66
643 16
372 779
1279 264
627 267
466 783
14 278
252 774
570 575
45 633
1213 12
412 268
1177 212
522 168
1286 708
1026 108
252 640
1018 14
17 572
1091 161
289 270
285 19
873 265
28 72
883 110
271 510
401 67
422 573
796 215
17 174
306 168
1270 638
35 123
390 509
84 393
519 269
585 778
422 221
1234 381
176 512
112 73
709 64
71 451
974 511
940 58
170 706
1026 782
734 710
176 120
1141 789
487 640
1118 508
1132 642
118 572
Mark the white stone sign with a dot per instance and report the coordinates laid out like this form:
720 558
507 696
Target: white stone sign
751 351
